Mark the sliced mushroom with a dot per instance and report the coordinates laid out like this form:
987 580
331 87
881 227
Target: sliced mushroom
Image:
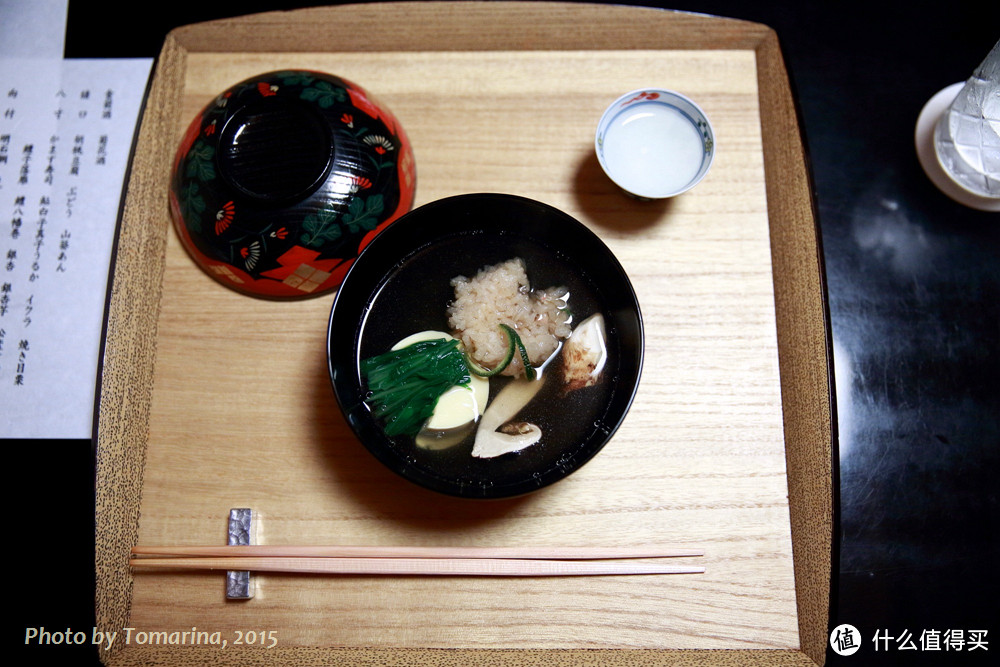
490 442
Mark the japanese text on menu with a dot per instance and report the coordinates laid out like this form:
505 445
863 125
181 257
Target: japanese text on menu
63 151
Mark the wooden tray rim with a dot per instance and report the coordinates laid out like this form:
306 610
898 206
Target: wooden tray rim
129 346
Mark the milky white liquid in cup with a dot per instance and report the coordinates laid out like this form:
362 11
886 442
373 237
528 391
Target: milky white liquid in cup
653 150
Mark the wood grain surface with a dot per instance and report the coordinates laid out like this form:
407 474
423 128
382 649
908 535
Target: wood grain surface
213 400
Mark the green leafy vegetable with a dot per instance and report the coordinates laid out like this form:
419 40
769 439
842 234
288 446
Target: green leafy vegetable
404 385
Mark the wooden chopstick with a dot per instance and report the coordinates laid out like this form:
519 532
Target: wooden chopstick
495 567
524 553
416 560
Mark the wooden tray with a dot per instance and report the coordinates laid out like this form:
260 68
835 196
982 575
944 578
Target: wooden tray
210 400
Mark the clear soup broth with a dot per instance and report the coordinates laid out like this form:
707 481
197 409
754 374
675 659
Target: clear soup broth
415 296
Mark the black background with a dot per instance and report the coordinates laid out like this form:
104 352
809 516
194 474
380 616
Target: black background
913 280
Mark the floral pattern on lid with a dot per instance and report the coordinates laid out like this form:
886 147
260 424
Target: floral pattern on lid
284 178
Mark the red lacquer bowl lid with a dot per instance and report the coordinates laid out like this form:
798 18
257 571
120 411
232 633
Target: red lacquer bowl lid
284 178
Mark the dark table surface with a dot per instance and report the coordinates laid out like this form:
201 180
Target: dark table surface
914 287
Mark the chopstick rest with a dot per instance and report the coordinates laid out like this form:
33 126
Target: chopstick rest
239 583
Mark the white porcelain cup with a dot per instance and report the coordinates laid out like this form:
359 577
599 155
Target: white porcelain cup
655 143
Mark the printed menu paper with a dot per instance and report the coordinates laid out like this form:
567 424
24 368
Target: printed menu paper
66 133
